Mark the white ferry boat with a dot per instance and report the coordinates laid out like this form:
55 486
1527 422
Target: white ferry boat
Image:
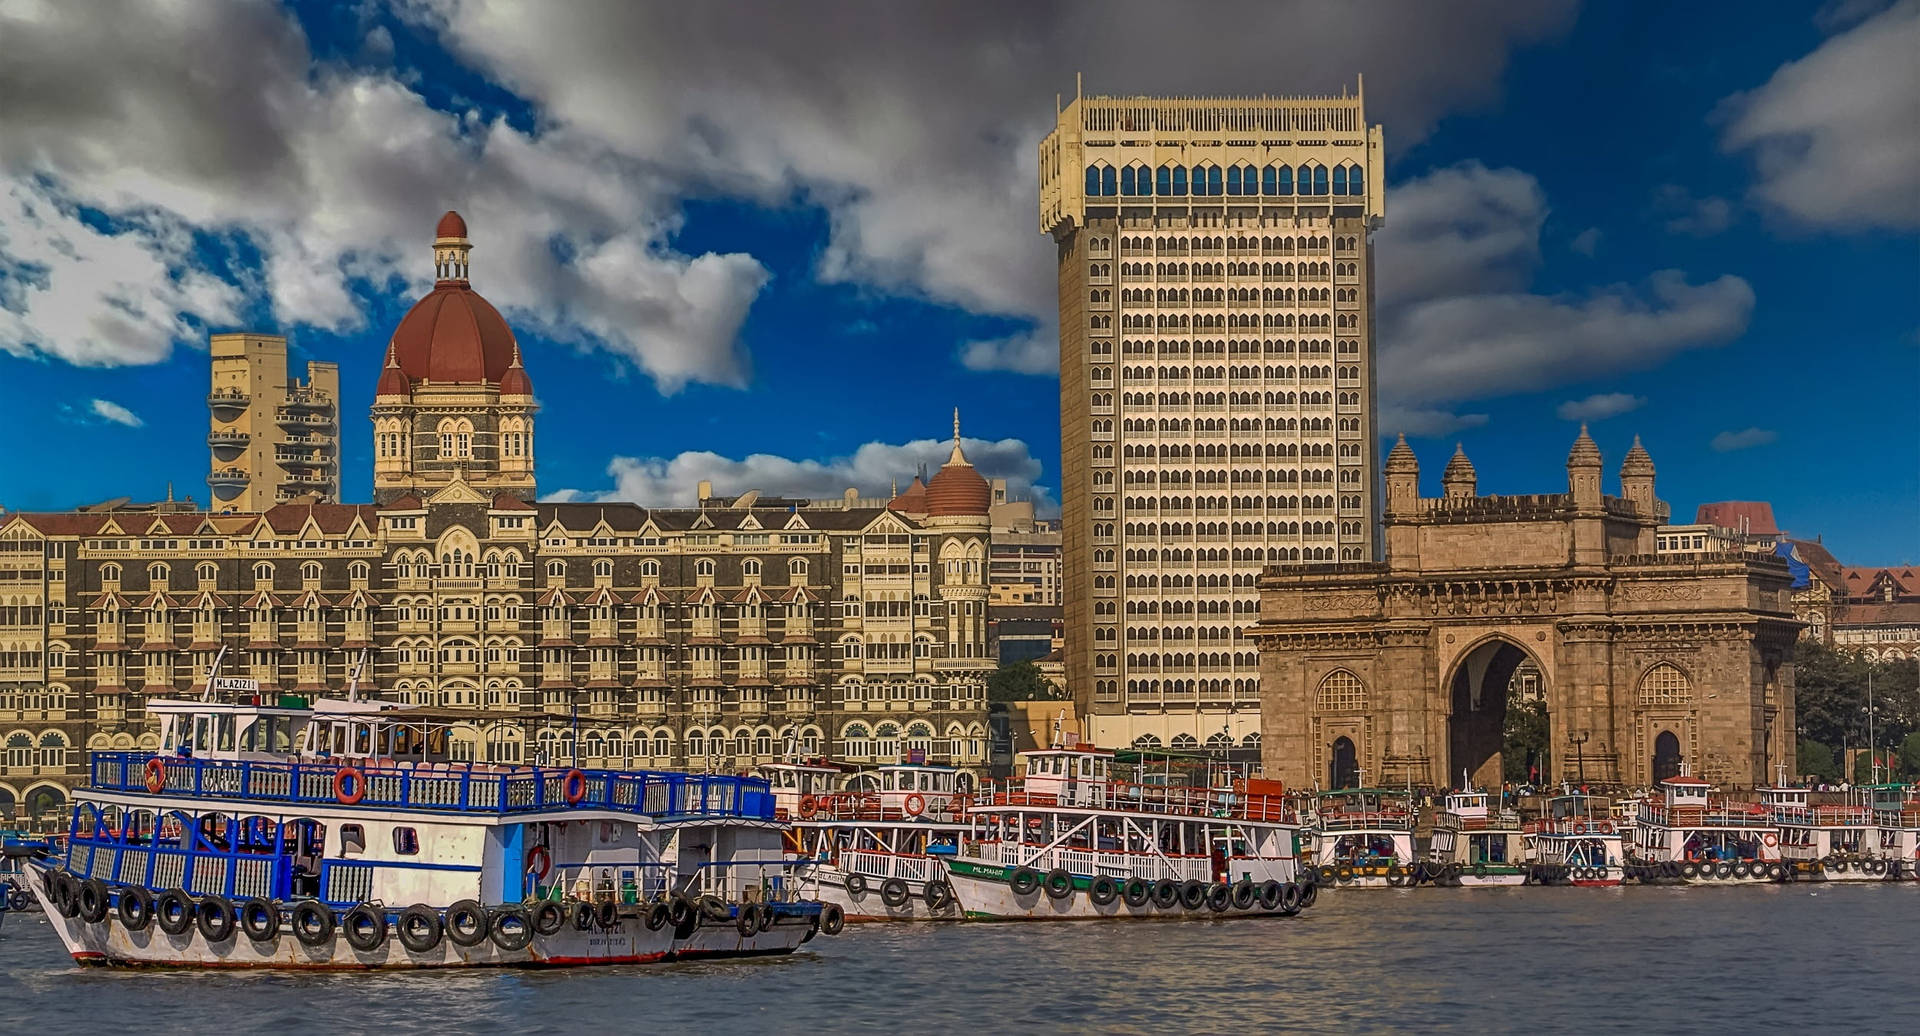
1079 839
875 844
1474 844
1825 842
1686 835
339 836
1576 842
1896 828
1363 838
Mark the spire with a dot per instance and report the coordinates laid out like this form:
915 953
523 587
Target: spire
1638 461
393 381
956 457
1459 478
1401 458
1585 453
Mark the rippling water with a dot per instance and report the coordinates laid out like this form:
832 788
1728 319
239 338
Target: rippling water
1724 960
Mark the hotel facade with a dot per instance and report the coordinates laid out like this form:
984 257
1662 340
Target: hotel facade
1216 386
710 638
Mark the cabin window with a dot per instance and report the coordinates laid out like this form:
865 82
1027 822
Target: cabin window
353 839
406 841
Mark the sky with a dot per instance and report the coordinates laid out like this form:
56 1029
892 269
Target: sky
775 244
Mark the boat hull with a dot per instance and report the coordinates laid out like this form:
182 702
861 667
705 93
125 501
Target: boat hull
829 884
628 941
985 893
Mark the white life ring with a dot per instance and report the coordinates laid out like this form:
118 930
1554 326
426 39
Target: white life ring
915 804
1770 839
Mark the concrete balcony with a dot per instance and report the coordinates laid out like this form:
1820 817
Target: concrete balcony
229 477
228 399
232 439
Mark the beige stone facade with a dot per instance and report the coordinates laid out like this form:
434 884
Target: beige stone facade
272 438
1397 672
1216 386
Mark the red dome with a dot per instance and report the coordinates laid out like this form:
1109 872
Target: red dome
912 500
450 225
515 381
453 335
393 381
957 489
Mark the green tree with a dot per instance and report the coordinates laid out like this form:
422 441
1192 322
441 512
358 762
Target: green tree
1021 681
1910 755
1817 760
1526 738
1830 697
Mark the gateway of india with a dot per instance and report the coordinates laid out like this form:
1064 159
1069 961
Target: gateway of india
1398 673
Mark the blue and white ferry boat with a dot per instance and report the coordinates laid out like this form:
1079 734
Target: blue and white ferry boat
339 835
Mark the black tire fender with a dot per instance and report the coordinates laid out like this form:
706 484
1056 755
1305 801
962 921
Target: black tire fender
420 928
467 923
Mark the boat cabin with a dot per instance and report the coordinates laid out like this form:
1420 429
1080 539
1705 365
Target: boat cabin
792 782
1467 805
1076 776
223 730
1684 790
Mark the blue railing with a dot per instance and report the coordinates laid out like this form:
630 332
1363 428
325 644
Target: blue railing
442 789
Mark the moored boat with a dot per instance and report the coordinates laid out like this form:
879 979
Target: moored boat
1895 835
1474 844
1576 842
1084 835
875 843
1685 834
1361 838
340 836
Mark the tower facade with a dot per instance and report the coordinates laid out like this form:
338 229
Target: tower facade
272 438
453 402
1216 387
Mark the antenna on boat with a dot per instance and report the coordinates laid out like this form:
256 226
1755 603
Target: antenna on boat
353 678
213 669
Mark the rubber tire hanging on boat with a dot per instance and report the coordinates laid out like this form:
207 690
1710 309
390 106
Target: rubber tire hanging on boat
1059 883
180 924
1193 895
894 892
1308 894
1245 894
832 919
69 898
136 908
1395 876
549 917
748 920
18 899
512 928
582 916
214 918
767 916
1025 881
682 912
1136 892
94 900
1219 897
937 894
1270 894
1344 874
656 919
419 928
364 927
260 919
1102 890
313 923
855 884
1166 893
467 923
607 913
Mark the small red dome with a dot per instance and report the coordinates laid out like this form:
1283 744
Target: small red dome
450 225
912 500
957 489
453 335
393 381
515 381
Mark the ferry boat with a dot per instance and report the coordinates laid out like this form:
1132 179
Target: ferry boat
1077 838
340 836
1825 842
1686 835
1576 842
1474 844
875 844
1896 828
1362 838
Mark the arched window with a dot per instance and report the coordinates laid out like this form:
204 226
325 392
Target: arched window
157 574
1130 187
263 574
1319 179
750 568
207 572
797 570
1107 180
603 568
650 569
1340 179
111 573
1665 684
1356 181
1093 180
310 571
1341 691
704 567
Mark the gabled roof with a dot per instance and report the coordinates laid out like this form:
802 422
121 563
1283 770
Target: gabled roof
508 502
1754 517
329 519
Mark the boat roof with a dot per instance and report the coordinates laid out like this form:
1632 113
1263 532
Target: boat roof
1347 792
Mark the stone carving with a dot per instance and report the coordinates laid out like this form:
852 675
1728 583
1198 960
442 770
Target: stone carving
1341 602
1659 592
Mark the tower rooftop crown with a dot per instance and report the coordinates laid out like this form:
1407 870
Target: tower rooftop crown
1585 452
1638 461
1400 459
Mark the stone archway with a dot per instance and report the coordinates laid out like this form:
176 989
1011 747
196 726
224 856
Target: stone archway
1343 764
1477 712
1666 756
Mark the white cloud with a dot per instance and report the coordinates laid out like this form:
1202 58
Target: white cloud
1695 217
116 413
1425 423
1587 242
1746 438
1455 322
1600 406
335 176
1835 135
873 469
1032 352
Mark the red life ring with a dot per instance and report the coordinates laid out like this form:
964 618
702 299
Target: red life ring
156 775
539 862
915 804
574 787
340 785
1580 828
1770 839
808 807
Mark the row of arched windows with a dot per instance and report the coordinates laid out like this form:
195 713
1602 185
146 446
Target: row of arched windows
1208 180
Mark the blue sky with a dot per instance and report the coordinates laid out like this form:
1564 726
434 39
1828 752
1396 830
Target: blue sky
773 245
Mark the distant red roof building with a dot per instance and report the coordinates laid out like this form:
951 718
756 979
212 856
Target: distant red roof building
1747 517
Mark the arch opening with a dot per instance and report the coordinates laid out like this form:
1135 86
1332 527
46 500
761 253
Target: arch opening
1343 765
1498 728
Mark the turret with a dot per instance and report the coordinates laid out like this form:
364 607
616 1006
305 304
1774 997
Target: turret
1636 477
1459 480
1583 471
1403 479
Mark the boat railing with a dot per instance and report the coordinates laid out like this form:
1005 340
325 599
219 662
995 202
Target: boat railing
856 805
457 788
1566 827
745 881
628 881
1505 819
1153 866
1908 815
1375 820
1125 796
1823 816
880 865
1718 814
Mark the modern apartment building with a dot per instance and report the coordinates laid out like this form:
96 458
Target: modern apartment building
1216 386
272 437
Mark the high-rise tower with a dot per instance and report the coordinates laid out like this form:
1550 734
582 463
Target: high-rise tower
1216 387
272 438
453 401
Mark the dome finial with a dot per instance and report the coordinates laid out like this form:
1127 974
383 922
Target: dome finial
956 457
450 249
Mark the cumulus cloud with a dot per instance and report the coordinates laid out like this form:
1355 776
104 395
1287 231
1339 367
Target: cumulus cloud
1587 242
1835 135
1429 423
873 469
1031 352
116 413
1600 406
1746 438
1456 323
334 176
1695 217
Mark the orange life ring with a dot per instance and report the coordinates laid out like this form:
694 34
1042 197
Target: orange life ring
915 804
1580 828
574 787
340 779
808 807
1770 839
539 862
156 775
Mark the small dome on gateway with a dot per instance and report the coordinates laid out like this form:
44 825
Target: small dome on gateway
450 226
